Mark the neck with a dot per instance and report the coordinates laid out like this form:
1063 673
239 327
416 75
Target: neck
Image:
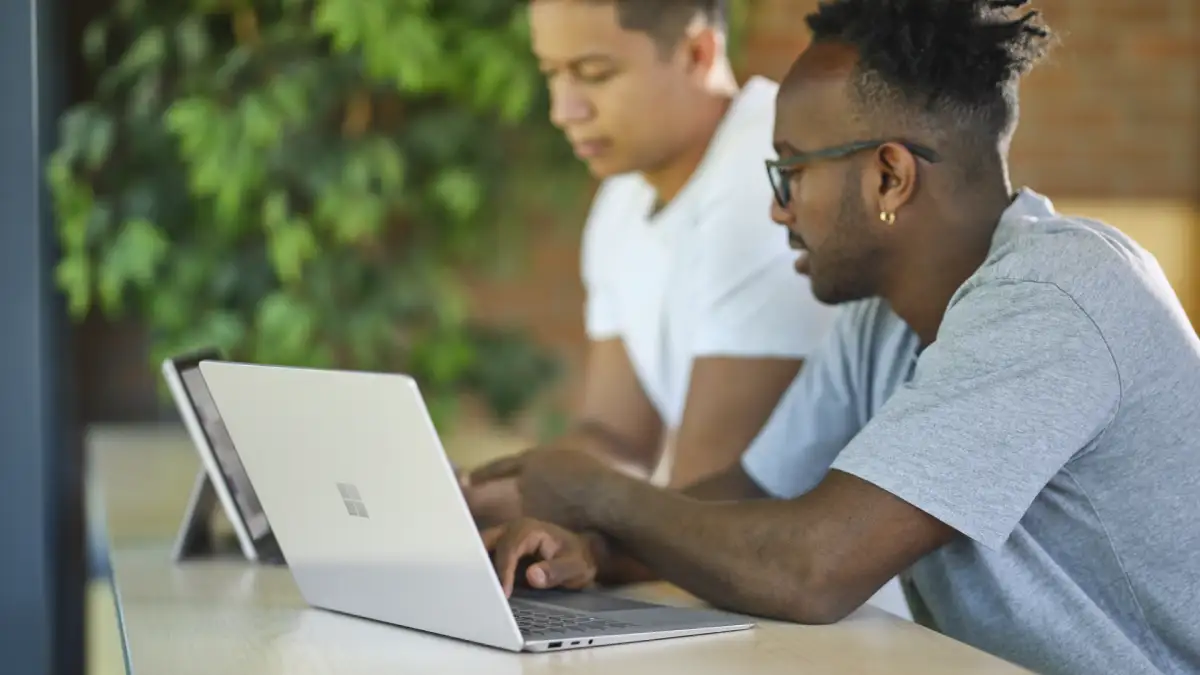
942 256
669 178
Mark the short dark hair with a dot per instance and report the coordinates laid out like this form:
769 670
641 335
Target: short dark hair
666 21
957 60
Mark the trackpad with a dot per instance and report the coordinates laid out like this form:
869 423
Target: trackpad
590 603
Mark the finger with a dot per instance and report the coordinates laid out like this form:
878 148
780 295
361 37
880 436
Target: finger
505 467
511 548
569 571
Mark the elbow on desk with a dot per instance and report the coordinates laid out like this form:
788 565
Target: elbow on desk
818 607
810 599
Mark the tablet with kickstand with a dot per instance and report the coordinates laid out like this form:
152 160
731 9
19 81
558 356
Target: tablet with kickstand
222 483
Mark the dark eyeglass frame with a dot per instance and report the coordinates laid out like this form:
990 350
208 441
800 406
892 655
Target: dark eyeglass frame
778 170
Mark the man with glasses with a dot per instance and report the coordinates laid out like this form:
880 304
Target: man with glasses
1016 432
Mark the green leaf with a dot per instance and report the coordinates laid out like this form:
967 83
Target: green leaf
518 96
86 135
353 217
261 126
132 259
169 309
221 329
275 209
292 244
289 96
388 165
74 277
337 18
459 192
285 328
237 61
196 122
148 51
192 41
100 141
145 97
135 254
96 228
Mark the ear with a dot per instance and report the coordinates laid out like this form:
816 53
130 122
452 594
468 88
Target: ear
896 177
702 46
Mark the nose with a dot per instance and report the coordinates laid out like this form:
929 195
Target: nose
568 106
779 214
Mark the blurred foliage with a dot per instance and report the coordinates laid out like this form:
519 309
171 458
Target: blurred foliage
739 26
305 182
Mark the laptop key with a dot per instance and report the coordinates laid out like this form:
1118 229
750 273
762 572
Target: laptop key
543 621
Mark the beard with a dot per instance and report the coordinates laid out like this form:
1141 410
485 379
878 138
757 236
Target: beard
848 264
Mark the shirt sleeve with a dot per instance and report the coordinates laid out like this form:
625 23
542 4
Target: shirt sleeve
753 302
814 420
1018 382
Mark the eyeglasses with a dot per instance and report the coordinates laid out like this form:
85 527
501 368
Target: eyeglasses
779 170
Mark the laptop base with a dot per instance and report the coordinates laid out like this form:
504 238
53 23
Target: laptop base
555 620
558 645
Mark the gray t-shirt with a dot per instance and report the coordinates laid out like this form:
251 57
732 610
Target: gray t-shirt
1055 423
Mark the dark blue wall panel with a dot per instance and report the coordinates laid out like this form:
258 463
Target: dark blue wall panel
41 554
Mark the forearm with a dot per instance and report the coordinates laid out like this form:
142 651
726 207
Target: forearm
617 567
752 557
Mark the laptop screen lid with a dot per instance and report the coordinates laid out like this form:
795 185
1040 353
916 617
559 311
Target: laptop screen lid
363 501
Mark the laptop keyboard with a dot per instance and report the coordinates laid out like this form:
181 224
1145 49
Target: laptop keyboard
540 621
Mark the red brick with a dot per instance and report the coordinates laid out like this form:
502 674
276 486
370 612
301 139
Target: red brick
1154 50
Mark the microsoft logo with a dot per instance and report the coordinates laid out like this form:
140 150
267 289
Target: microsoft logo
353 501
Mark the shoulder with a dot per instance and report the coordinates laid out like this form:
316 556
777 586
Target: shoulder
734 173
1099 268
1035 243
731 204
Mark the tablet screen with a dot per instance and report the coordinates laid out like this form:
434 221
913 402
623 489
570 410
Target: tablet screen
226 455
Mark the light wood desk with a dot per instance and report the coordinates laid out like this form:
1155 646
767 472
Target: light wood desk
231 618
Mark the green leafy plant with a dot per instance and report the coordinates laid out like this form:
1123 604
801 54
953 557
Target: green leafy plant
310 182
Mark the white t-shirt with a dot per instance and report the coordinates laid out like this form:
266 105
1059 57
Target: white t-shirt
710 275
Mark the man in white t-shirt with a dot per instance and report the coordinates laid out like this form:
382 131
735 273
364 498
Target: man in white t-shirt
696 320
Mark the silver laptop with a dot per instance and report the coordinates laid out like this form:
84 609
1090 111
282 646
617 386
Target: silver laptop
368 513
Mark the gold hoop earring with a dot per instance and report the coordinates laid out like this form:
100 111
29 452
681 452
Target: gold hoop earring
886 217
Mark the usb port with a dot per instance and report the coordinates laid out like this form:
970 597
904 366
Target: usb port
555 645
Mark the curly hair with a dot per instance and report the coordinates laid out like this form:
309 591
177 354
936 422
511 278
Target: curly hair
955 60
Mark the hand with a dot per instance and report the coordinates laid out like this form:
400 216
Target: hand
555 486
565 559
